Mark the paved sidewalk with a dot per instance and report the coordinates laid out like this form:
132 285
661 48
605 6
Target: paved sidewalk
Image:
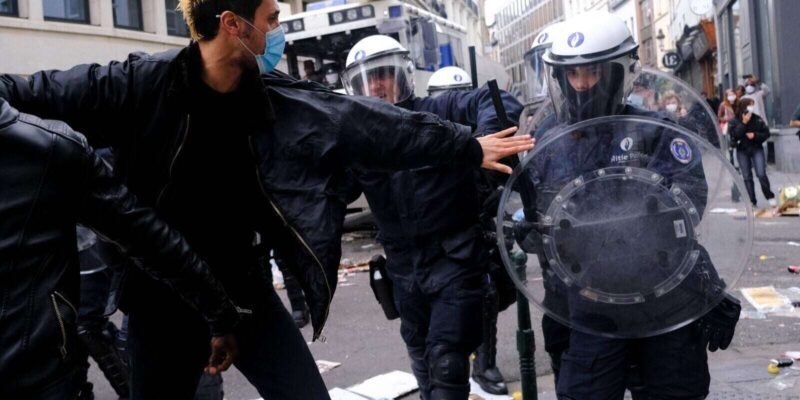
736 374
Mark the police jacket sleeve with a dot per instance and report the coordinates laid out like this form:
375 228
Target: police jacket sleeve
476 108
111 210
90 97
376 135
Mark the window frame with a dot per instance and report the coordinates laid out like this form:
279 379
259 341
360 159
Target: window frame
140 26
84 21
173 12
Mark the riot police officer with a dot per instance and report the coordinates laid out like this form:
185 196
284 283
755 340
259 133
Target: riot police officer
499 292
428 220
592 65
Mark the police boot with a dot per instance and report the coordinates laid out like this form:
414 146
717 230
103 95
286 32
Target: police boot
484 368
101 348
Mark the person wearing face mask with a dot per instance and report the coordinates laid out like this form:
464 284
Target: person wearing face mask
748 133
758 91
225 147
725 113
672 104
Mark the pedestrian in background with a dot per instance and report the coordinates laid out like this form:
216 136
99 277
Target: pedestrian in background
725 112
748 134
758 91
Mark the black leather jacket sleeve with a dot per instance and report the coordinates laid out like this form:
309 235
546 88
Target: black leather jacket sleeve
111 210
89 97
377 135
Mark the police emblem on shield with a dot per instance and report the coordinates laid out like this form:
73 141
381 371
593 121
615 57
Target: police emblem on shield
626 144
680 150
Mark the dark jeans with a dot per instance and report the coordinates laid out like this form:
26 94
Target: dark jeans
169 347
754 159
672 366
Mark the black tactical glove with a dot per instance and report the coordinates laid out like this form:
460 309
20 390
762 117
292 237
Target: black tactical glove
528 237
718 326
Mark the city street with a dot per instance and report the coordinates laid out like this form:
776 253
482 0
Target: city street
366 344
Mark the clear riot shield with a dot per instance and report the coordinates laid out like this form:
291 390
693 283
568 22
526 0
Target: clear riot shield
658 91
611 213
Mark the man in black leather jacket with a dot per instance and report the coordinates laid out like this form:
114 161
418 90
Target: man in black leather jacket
222 153
51 180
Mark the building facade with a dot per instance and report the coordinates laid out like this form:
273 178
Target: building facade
45 34
655 38
761 37
516 25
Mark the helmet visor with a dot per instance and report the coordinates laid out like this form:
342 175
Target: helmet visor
535 75
581 92
389 78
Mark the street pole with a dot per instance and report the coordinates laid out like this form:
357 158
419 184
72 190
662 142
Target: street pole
526 341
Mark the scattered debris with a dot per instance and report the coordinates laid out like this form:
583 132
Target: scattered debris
390 385
325 366
795 269
368 246
720 210
341 394
765 257
793 244
767 299
478 394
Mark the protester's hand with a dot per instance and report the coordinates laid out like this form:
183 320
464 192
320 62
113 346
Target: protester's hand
718 325
498 146
223 352
750 135
746 117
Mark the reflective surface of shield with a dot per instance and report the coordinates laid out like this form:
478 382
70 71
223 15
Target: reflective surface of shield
617 226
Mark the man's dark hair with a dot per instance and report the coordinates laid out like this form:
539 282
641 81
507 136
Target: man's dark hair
202 15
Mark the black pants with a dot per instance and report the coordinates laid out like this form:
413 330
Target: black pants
169 347
438 291
671 366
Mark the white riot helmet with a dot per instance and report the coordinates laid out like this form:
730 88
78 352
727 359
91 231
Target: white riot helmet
448 78
535 74
591 66
379 66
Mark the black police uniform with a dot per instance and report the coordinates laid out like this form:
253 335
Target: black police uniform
436 254
673 365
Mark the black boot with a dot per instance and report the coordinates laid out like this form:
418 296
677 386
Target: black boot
484 369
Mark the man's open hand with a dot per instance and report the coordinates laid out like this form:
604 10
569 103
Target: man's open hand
223 352
498 146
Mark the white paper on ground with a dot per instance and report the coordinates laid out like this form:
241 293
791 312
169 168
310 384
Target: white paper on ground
386 386
341 394
474 388
767 299
324 366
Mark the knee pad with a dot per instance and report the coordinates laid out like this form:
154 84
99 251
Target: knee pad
449 369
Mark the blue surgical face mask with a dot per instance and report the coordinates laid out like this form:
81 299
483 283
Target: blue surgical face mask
273 50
